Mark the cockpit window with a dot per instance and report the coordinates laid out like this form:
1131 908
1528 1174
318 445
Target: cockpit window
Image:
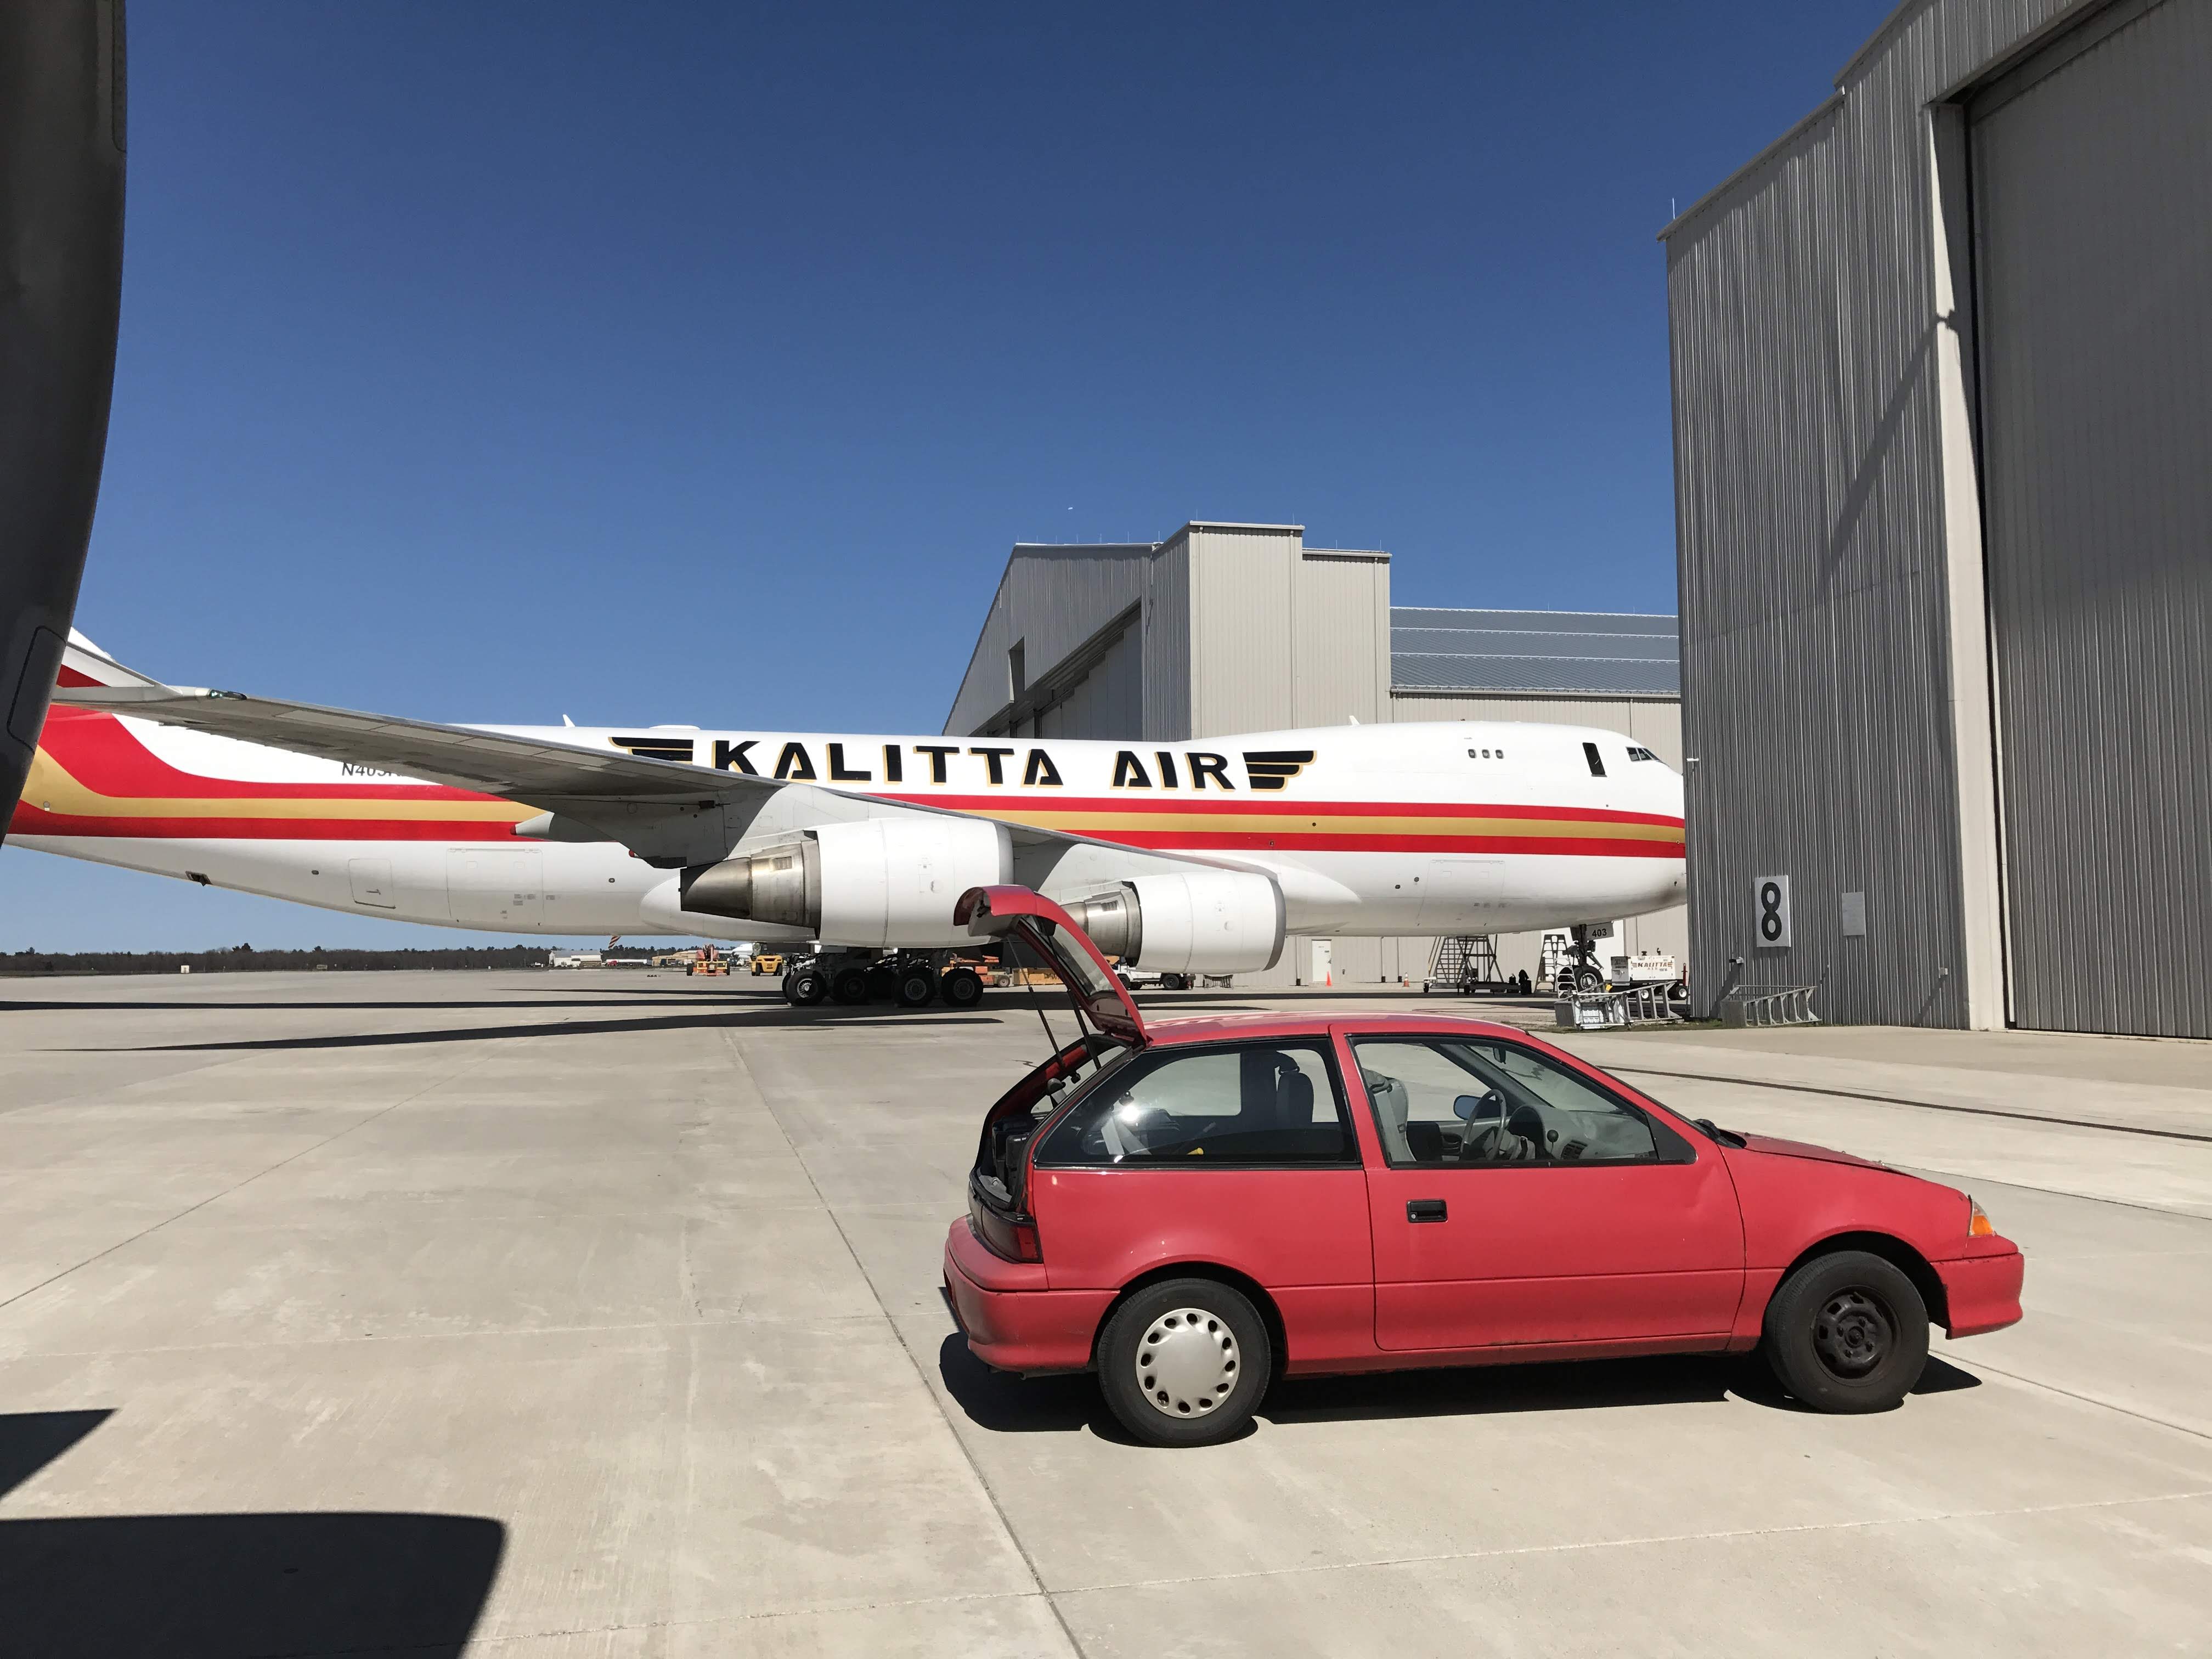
1596 761
1636 754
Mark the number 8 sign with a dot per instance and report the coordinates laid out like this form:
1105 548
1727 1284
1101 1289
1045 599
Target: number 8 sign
1771 912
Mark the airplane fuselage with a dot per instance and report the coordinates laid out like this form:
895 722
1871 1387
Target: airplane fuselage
1440 828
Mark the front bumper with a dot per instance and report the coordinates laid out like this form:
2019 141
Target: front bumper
1011 1321
1982 1292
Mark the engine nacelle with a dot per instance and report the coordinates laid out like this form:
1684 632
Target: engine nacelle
1209 922
880 882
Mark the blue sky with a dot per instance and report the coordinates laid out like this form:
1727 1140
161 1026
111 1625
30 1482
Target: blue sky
475 358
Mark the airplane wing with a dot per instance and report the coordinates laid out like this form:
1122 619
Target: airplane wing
668 812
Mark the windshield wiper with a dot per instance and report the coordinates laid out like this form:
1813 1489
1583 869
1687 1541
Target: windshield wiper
1726 1137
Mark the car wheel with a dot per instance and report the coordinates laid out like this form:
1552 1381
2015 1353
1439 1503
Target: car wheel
802 987
1847 1333
961 989
850 986
1183 1363
1678 992
916 986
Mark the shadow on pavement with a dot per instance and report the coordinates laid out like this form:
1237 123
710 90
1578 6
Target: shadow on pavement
624 997
244 1585
737 1019
1064 1405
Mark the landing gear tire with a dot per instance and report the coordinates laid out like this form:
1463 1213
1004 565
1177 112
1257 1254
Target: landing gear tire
850 986
882 982
916 985
804 987
1847 1333
961 989
1587 980
1183 1363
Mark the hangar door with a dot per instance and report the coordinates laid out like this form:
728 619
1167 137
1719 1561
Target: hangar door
2092 263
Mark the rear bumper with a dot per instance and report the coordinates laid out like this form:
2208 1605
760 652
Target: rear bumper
1981 1293
1010 1320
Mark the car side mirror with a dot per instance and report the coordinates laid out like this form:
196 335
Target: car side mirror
1468 1108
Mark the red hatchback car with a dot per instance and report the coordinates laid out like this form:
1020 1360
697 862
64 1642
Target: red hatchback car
1193 1207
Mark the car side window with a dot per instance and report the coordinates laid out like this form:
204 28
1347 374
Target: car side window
1263 1104
1446 1100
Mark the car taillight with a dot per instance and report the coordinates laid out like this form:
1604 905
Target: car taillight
1978 1221
1014 1238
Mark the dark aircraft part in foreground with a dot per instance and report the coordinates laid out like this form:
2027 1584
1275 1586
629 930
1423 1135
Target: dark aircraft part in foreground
61 286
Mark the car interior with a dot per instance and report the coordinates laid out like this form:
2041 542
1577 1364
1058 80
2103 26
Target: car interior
1255 1102
1449 1101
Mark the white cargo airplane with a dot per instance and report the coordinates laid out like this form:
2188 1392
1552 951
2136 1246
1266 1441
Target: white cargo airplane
1183 858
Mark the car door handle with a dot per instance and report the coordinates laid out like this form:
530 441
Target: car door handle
1425 1209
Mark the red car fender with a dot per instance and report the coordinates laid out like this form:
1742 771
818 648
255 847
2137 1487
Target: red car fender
1795 1201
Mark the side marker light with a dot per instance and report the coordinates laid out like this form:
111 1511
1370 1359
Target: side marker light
1977 1222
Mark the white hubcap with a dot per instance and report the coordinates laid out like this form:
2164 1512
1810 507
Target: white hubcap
1187 1363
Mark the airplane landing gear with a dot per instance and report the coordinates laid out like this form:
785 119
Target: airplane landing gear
909 979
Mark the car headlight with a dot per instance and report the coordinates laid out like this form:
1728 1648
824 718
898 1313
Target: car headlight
1977 1220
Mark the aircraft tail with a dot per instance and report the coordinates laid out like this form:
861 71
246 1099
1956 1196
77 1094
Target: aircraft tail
84 663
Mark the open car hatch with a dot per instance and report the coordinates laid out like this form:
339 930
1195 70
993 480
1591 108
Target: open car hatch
1052 936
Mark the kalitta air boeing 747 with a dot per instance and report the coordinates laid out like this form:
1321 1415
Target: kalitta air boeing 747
1182 858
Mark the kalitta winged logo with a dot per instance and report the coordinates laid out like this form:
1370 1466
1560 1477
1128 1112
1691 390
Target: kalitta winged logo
1271 768
667 749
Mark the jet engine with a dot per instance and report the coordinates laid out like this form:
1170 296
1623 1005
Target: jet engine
880 882
1209 922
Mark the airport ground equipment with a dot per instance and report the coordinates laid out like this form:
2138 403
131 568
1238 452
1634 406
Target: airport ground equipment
1631 1004
1468 963
61 287
768 961
1768 1005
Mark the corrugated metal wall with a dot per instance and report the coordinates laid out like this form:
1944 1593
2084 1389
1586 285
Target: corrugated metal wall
1052 599
1243 633
1811 535
2093 203
1109 701
1167 640
1340 656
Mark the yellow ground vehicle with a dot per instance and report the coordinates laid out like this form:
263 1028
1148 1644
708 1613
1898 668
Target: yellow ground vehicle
766 962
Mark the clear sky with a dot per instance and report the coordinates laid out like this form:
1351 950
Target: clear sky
647 363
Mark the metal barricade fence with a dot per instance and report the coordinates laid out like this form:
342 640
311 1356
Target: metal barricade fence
1768 1005
1635 1005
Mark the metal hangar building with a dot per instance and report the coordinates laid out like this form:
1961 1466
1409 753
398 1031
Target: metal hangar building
1943 395
1224 629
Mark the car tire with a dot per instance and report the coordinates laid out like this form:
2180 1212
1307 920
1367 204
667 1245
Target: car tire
961 987
849 986
915 986
1184 1362
1847 1333
805 988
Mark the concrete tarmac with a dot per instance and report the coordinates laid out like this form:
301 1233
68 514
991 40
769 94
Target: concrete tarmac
549 1314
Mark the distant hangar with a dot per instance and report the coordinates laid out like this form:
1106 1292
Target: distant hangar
1943 396
1227 627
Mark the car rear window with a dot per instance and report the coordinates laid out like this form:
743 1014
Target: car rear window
1264 1104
